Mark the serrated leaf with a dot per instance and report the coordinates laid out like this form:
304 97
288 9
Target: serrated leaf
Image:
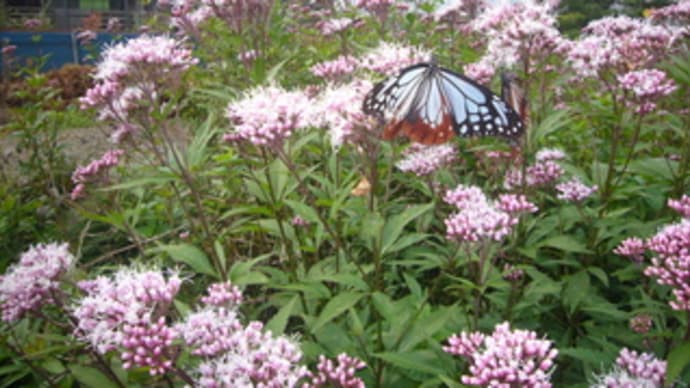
277 324
188 254
678 360
565 243
384 305
395 225
411 360
336 306
575 290
139 182
304 211
91 377
599 274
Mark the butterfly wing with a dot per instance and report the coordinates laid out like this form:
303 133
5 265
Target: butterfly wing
513 93
428 103
412 103
476 110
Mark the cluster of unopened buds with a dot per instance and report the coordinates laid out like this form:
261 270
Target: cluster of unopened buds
506 358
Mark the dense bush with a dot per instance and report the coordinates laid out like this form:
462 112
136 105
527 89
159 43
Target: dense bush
250 227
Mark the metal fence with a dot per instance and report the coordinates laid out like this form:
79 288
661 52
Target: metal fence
58 48
70 19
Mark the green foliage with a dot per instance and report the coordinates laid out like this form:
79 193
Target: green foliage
371 274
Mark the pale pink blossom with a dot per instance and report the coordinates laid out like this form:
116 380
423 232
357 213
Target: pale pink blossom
641 323
338 108
255 359
336 68
506 358
681 205
677 13
671 265
85 37
223 295
647 86
481 71
619 44
333 26
632 248
115 305
477 219
424 160
519 32
574 191
545 154
515 204
96 169
31 282
389 58
266 116
633 370
340 373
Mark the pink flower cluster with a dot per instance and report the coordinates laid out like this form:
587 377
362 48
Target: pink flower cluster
335 69
267 116
477 219
574 191
97 168
211 331
223 294
424 160
619 44
146 344
515 204
388 58
506 358
28 284
254 359
238 15
541 173
641 323
482 71
634 370
340 374
647 86
456 12
519 32
134 74
333 26
545 154
339 109
671 265
632 248
678 12
126 312
187 15
681 205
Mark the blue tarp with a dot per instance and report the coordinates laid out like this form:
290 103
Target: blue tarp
61 47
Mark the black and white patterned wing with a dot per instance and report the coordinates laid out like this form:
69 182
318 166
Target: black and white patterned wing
476 111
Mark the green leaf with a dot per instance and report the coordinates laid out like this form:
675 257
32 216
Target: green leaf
91 377
277 324
395 225
565 243
188 254
304 211
575 290
384 305
425 328
241 272
678 359
139 182
336 306
599 274
416 361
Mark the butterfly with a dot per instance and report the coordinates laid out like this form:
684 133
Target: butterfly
430 104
